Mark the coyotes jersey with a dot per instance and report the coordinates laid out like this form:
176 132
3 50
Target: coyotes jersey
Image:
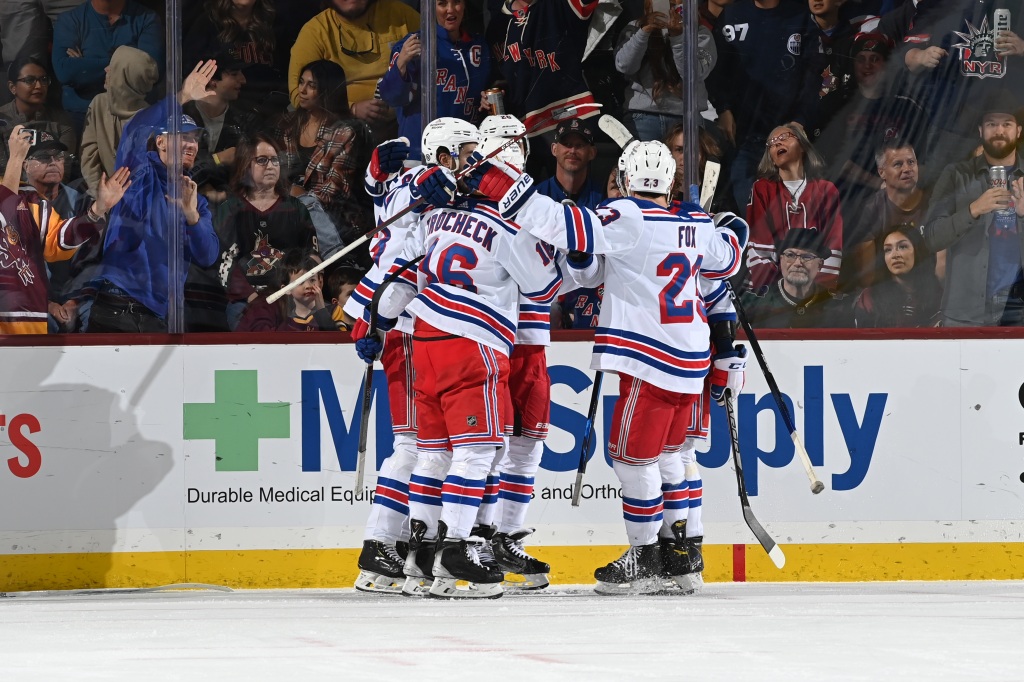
653 323
475 265
772 213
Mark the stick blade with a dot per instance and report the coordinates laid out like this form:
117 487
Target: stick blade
777 557
712 169
614 129
766 540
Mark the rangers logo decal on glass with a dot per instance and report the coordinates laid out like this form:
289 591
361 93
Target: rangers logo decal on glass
978 56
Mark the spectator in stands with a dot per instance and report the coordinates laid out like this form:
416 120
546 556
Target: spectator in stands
357 35
84 39
573 150
761 80
263 221
910 295
871 114
224 125
26 29
707 150
651 54
340 285
44 182
325 156
829 42
134 295
302 310
131 76
790 193
539 47
796 300
976 217
254 34
29 83
900 201
462 72
26 247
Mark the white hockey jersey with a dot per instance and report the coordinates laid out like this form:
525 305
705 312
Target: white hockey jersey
388 199
535 318
475 265
653 323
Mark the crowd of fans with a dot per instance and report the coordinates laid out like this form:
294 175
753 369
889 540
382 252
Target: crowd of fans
870 144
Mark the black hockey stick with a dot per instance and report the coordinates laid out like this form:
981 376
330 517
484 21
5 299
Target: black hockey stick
364 416
816 485
588 430
559 114
770 546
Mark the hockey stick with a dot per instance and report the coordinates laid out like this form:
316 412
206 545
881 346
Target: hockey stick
364 416
770 546
559 114
712 170
588 430
816 485
614 129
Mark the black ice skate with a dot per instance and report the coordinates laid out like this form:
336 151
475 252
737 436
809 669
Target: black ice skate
419 561
676 562
380 568
481 536
638 571
695 548
513 559
457 560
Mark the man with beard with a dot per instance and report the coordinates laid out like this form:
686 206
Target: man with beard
975 215
134 290
795 300
573 150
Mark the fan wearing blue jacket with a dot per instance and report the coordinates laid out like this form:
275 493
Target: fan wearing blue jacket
134 292
463 69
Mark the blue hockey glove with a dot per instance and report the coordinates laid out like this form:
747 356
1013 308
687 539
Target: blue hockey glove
695 194
436 186
728 372
388 157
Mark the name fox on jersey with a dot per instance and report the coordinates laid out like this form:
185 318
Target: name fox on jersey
464 224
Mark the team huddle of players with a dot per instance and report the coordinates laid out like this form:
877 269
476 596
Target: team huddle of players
473 258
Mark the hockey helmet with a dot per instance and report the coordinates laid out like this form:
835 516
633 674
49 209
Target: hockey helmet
506 125
620 174
650 168
511 154
446 133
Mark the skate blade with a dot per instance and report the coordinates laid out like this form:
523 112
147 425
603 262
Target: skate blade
368 581
526 582
641 586
416 586
450 588
676 585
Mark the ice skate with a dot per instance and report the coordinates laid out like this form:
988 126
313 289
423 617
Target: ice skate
513 559
677 565
457 560
695 548
481 537
380 568
638 571
419 561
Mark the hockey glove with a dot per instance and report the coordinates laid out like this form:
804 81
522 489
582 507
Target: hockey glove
500 183
695 194
728 372
359 329
369 348
435 186
388 158
732 222
579 260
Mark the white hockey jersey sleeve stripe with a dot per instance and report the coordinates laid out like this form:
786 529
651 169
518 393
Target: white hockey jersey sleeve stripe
580 232
730 256
534 316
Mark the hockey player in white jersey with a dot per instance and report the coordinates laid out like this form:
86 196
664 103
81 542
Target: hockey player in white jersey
381 564
474 266
653 330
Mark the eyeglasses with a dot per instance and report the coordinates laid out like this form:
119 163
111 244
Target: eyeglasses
47 158
802 257
779 139
264 160
374 44
31 81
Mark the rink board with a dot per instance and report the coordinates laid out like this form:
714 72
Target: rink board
147 465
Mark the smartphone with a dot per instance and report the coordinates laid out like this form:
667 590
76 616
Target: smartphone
33 136
1001 21
660 6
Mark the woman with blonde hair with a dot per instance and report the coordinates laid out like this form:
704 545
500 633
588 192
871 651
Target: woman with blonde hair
791 193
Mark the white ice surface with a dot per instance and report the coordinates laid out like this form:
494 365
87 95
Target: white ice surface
933 631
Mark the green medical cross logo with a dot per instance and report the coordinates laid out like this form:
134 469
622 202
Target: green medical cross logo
236 420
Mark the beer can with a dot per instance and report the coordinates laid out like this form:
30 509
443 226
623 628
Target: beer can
997 176
494 98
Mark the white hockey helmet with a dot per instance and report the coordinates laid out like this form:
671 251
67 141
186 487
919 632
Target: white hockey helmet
506 125
512 154
620 174
446 133
650 168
